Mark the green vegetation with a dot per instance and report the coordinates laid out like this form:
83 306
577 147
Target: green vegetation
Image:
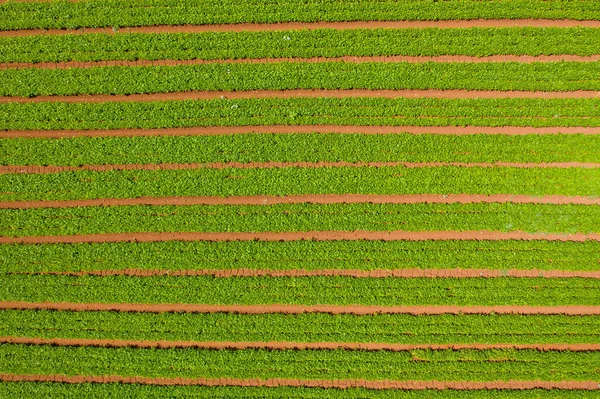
306 327
301 217
552 76
445 365
302 290
301 44
328 147
115 13
308 255
581 112
10 390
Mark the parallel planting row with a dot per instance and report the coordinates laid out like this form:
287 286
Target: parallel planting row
340 200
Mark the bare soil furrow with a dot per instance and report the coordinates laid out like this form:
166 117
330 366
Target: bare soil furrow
339 384
309 198
272 345
299 129
475 23
349 58
379 273
38 169
301 235
301 93
577 310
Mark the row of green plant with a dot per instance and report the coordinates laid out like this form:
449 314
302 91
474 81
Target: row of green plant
363 111
305 327
445 365
327 147
114 13
502 76
504 217
302 290
39 390
303 254
301 44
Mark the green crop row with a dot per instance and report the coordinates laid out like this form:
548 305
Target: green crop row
301 44
302 290
34 390
445 365
551 76
504 217
308 255
106 13
363 111
316 147
305 327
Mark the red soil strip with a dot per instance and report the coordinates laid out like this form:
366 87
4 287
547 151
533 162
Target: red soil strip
277 382
311 199
308 129
301 235
352 59
380 273
301 93
366 346
475 23
37 169
574 310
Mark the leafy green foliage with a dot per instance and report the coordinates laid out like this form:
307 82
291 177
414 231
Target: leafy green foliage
305 327
115 13
546 76
301 44
327 147
308 255
302 290
301 217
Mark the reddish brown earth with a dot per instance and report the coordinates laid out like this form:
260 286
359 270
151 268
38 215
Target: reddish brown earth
379 273
302 235
574 310
301 93
352 59
311 199
339 384
367 346
286 129
476 23
37 169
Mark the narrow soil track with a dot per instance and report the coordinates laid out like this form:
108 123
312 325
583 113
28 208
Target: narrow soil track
301 93
301 235
352 59
475 23
366 346
574 310
36 169
380 273
277 382
311 199
299 129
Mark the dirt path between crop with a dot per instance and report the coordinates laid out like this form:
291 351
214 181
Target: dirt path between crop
526 59
37 169
302 93
475 23
311 199
301 235
302 129
277 382
379 273
573 310
272 345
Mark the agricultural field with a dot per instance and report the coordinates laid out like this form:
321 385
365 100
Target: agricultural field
317 199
